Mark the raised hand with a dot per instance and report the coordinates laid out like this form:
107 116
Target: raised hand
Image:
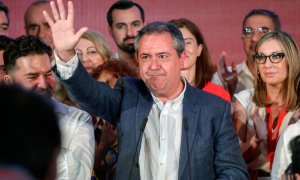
260 125
229 79
62 26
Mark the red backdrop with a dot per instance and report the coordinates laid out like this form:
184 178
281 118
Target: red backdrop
219 20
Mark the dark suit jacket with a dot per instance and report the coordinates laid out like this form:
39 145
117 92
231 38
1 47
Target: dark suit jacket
213 144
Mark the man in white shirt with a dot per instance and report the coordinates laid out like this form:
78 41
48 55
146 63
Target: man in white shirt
27 63
167 129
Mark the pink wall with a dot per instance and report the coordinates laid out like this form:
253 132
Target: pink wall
219 20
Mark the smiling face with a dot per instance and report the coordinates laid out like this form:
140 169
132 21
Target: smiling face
273 74
89 56
160 65
192 49
33 72
126 25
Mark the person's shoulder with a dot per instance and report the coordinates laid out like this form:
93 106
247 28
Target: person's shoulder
241 66
292 130
217 90
245 97
245 92
204 97
71 112
133 82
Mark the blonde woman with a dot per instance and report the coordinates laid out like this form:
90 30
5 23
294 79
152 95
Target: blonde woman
283 154
261 114
93 50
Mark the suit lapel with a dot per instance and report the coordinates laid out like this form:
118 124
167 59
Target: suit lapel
145 103
144 106
190 113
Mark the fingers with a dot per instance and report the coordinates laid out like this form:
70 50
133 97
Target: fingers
61 14
233 66
54 11
70 11
48 18
61 8
80 32
222 60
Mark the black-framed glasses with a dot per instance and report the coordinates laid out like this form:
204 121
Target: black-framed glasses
249 31
275 57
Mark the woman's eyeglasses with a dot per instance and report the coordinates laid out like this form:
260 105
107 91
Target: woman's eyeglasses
275 57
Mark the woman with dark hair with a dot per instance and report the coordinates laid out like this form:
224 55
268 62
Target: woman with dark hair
198 68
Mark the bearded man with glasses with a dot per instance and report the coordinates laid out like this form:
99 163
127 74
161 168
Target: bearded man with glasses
236 78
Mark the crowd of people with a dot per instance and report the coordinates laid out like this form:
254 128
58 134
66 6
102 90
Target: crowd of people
158 108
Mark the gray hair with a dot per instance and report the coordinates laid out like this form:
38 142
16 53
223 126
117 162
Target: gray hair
160 27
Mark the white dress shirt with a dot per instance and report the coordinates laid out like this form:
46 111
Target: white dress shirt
283 154
76 159
160 148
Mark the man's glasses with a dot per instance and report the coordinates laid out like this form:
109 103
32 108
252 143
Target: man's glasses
249 32
275 57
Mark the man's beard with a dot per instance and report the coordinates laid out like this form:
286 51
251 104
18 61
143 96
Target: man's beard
46 93
128 48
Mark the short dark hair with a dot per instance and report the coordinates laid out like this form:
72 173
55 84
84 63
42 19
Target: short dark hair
5 41
275 18
5 9
24 46
123 4
295 150
160 27
29 131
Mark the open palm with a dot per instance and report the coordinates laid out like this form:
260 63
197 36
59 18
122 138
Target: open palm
62 26
229 79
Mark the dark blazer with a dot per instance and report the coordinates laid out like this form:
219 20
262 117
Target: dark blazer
213 144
